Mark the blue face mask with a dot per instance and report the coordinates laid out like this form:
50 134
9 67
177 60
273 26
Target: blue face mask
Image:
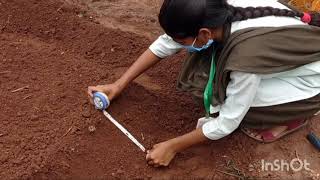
191 48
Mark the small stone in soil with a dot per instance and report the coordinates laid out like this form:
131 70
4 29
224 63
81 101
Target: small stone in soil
86 114
19 114
92 129
34 117
119 172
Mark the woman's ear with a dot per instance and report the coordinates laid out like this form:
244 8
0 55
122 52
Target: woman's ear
205 35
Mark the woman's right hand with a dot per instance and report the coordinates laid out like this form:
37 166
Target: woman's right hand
111 90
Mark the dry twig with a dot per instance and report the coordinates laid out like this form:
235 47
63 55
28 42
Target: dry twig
27 97
5 72
67 132
3 134
20 89
230 174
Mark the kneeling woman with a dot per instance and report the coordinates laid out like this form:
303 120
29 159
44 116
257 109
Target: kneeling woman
253 67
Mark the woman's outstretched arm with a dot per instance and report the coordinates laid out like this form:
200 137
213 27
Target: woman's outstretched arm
144 62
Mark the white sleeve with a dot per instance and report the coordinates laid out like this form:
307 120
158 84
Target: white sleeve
240 94
165 46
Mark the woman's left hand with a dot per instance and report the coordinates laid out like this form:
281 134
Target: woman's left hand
161 154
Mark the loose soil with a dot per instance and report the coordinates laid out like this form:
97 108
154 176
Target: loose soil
51 50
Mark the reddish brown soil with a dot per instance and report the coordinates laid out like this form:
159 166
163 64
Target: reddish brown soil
57 50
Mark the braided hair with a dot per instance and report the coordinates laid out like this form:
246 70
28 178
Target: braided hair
184 18
240 14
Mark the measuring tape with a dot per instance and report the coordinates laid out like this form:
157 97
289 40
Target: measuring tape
102 102
314 140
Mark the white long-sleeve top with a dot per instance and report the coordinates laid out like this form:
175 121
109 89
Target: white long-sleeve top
247 90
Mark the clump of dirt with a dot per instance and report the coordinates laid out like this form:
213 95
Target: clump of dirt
54 51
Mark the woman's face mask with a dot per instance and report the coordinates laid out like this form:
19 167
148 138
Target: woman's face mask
191 47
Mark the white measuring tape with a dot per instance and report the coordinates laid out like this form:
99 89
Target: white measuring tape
134 140
101 102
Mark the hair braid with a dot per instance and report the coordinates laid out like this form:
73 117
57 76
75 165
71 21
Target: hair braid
184 18
240 14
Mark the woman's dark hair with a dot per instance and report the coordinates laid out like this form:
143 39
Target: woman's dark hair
184 18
